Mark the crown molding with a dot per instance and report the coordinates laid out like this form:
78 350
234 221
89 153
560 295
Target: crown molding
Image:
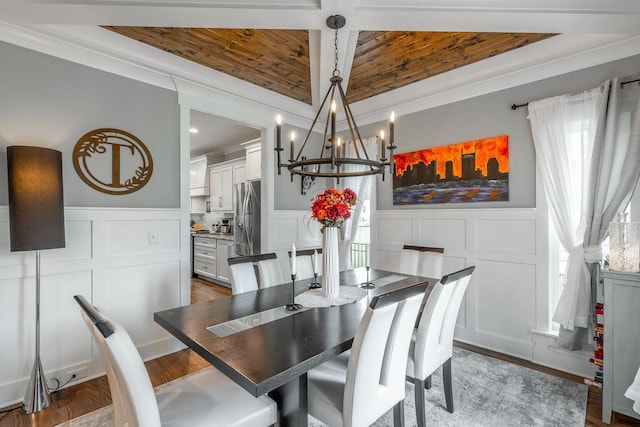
102 49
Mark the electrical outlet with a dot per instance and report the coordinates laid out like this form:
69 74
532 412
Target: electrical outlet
79 373
153 237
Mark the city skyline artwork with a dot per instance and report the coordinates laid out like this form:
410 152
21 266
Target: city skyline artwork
471 171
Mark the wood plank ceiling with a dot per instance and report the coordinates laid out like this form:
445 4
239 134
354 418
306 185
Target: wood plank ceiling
279 59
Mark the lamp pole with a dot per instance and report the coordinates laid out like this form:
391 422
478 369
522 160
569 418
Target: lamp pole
37 396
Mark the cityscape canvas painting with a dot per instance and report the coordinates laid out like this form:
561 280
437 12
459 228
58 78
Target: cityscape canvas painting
472 171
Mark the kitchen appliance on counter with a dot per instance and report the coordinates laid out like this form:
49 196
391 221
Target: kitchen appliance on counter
246 218
225 226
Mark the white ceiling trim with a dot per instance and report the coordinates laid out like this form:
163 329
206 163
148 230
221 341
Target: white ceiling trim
561 16
474 21
103 49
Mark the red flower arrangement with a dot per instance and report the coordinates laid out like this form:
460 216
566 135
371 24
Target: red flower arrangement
333 207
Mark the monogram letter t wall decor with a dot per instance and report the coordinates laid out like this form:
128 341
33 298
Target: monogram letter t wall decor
112 161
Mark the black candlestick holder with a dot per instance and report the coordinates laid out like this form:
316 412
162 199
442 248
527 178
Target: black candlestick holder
315 284
293 306
368 284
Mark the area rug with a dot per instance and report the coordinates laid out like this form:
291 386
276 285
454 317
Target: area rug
487 392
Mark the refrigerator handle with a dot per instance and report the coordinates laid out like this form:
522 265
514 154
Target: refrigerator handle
248 220
238 207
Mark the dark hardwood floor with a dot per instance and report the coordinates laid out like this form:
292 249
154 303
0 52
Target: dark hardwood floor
83 398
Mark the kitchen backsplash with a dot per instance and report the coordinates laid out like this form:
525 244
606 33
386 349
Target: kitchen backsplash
208 219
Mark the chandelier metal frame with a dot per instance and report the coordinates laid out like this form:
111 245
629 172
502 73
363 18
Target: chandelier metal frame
332 154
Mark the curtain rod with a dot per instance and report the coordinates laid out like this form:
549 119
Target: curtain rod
516 106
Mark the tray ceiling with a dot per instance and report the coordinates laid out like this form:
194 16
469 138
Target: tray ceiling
278 60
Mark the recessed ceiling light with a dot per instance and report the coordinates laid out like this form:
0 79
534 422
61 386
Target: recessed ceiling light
193 130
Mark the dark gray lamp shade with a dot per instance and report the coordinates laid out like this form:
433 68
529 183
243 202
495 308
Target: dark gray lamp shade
36 204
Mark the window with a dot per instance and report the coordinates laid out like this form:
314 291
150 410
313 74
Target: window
576 155
577 167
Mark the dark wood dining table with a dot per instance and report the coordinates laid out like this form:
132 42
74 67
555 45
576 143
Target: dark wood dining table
274 357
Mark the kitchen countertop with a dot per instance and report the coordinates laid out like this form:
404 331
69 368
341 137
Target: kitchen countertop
219 236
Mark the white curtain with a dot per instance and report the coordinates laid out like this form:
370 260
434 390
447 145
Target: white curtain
556 123
359 184
614 175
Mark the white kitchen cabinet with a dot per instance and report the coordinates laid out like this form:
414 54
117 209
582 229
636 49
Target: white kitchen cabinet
198 204
223 252
199 177
254 160
239 173
204 257
223 177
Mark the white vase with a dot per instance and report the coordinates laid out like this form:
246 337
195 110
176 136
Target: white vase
330 263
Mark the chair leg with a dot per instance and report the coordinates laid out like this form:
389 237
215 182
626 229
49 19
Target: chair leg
427 383
448 384
398 414
421 418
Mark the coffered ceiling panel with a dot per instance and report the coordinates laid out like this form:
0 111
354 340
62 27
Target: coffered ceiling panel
279 59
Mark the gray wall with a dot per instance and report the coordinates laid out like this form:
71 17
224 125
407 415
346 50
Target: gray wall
471 119
51 102
491 115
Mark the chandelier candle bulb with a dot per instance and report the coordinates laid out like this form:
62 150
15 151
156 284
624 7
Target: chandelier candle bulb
392 120
279 139
278 129
333 119
293 143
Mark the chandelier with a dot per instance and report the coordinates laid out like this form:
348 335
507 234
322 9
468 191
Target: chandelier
334 160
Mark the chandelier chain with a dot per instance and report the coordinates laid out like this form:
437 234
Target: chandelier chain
341 163
336 72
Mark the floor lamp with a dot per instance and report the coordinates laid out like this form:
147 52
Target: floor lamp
36 222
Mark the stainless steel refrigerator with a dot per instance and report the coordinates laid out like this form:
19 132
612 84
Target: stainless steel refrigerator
246 218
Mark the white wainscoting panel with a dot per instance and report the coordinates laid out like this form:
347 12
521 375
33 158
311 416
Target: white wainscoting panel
451 264
502 304
135 237
286 227
395 229
110 260
498 236
441 232
132 294
505 293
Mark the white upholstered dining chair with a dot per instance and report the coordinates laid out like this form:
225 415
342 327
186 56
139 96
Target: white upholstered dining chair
304 263
359 386
206 398
432 342
269 271
408 262
242 275
421 261
243 272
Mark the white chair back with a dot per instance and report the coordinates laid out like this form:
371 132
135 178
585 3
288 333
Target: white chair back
134 399
304 263
432 344
304 267
375 374
430 264
203 399
421 260
270 273
243 278
408 262
434 338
